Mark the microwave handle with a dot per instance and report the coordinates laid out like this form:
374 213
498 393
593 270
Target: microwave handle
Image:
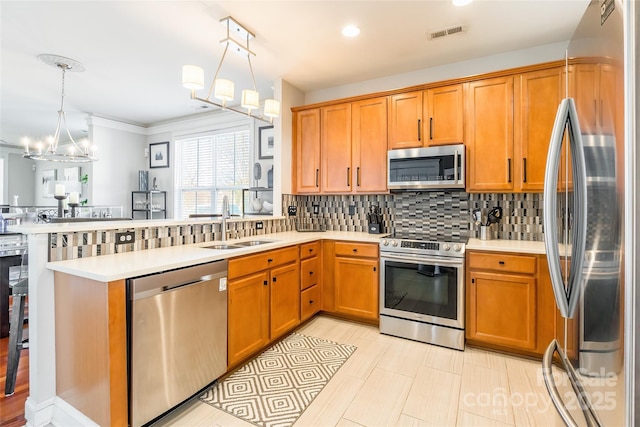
455 166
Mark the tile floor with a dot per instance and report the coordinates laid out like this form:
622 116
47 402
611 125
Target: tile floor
391 381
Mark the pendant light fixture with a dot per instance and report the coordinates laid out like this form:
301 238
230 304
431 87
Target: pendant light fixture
50 149
237 39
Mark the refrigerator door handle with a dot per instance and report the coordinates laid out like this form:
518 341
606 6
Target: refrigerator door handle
566 118
590 415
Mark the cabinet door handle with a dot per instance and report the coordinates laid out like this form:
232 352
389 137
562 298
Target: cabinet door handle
430 127
355 250
419 137
524 168
269 260
317 173
274 279
358 176
310 301
508 170
311 272
375 269
266 283
501 262
348 176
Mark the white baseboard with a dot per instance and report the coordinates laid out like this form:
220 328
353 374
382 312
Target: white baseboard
55 412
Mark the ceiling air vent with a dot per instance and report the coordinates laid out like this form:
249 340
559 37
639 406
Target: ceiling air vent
458 29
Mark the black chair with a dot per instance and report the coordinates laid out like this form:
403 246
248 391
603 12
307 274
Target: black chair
19 290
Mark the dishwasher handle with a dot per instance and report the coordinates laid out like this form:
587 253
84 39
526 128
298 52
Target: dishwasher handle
187 283
155 284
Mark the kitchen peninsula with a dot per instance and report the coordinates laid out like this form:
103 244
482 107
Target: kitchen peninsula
79 376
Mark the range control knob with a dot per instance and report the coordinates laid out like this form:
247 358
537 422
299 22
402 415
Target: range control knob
394 243
456 247
446 247
385 242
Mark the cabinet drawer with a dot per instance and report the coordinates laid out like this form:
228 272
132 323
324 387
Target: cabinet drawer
309 249
309 302
502 262
310 271
241 266
356 249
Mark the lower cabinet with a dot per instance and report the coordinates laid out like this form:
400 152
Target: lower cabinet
264 304
310 279
509 302
248 316
354 288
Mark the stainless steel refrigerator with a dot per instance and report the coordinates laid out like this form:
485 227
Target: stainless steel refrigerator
586 203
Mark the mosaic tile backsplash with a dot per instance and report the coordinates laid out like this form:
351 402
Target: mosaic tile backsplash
442 211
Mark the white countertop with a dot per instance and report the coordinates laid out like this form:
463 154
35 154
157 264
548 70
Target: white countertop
67 227
106 268
520 246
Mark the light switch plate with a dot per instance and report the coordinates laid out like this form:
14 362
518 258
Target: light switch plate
292 210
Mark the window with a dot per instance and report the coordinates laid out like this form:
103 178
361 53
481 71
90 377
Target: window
208 167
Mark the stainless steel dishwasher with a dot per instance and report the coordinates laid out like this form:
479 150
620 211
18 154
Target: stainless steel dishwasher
177 337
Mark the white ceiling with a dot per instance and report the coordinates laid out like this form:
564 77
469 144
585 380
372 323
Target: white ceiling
133 51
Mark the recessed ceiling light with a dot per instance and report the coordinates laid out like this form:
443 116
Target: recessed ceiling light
350 31
461 2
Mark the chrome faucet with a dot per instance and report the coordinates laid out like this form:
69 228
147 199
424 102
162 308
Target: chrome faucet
225 215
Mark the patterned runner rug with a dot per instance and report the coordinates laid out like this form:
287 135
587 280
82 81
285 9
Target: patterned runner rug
275 388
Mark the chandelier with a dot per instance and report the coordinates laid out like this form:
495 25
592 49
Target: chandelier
238 38
72 152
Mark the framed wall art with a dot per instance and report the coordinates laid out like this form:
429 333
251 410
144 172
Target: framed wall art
266 142
159 155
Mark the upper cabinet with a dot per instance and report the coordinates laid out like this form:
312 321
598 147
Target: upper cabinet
349 141
424 118
538 95
509 124
594 86
307 151
490 135
369 145
335 146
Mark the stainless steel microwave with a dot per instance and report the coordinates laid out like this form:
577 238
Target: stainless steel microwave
429 168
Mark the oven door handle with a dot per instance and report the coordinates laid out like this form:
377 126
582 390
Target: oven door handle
423 259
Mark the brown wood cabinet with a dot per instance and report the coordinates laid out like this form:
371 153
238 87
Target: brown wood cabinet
307 151
310 280
490 134
350 142
264 300
356 280
248 316
538 95
509 302
369 146
594 95
424 118
335 143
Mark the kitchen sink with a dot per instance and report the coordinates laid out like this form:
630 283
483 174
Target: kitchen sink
254 242
222 246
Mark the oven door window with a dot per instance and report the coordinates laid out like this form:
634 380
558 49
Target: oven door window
425 289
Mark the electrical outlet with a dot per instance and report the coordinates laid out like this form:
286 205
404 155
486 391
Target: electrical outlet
125 237
352 209
316 209
292 210
259 225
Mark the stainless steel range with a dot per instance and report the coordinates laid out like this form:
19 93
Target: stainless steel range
422 288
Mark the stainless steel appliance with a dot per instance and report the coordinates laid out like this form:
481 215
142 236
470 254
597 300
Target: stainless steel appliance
422 288
429 168
585 197
177 337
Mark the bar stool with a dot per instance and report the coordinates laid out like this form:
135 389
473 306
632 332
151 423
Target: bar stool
19 290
